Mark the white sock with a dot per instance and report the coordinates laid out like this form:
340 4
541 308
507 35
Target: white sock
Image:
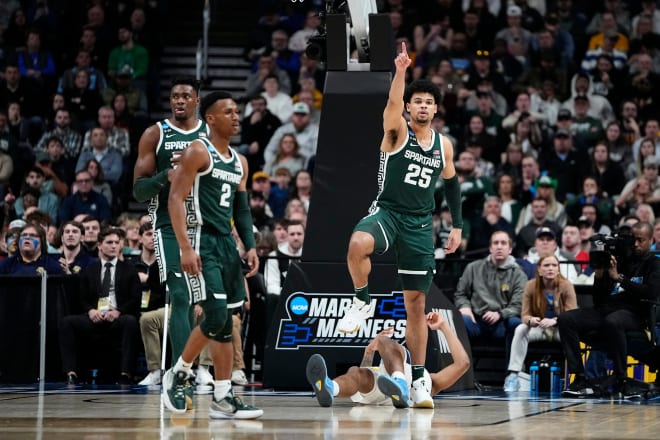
221 389
203 367
398 374
335 388
181 365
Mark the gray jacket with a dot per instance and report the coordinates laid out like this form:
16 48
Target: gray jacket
484 287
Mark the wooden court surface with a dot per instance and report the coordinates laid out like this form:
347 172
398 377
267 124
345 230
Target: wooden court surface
58 412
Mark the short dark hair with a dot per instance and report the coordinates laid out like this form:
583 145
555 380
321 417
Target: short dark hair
422 86
73 223
144 227
109 231
186 81
211 99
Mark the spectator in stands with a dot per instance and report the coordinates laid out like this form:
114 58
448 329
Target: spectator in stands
593 195
6 169
599 107
285 59
278 263
607 80
302 127
58 172
483 167
591 217
432 40
98 51
571 247
97 79
607 27
651 13
608 174
586 129
32 257
15 88
642 193
130 54
650 173
478 134
546 244
517 38
652 133
522 111
489 293
257 127
69 137
527 133
110 158
100 185
18 126
555 211
280 104
539 218
91 236
14 35
618 57
118 138
110 302
136 98
261 214
47 201
298 41
265 67
35 63
84 201
546 296
481 68
548 70
74 258
526 189
482 228
152 316
566 165
82 102
287 156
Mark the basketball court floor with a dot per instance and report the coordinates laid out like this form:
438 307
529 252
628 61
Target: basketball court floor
111 412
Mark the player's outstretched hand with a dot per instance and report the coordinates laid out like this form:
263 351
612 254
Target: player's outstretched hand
402 61
435 320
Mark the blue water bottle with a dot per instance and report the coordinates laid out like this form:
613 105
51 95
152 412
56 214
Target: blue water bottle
555 379
534 378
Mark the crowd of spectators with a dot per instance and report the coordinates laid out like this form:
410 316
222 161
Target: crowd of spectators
552 107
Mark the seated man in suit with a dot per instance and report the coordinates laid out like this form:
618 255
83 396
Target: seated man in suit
110 301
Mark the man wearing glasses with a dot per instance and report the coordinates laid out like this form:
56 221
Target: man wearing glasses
85 201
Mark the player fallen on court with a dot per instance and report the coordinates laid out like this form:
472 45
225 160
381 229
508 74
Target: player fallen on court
217 176
413 156
391 380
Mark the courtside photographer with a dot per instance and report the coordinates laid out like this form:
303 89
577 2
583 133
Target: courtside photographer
622 291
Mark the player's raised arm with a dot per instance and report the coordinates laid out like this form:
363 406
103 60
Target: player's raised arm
193 159
446 377
394 125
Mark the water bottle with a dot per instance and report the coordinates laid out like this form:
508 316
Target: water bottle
94 375
534 378
555 379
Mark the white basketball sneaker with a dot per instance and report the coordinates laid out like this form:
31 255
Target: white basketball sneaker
421 394
356 315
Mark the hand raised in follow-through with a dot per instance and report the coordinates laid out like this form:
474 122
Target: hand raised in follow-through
402 60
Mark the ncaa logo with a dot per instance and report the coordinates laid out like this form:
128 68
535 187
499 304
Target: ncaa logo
299 305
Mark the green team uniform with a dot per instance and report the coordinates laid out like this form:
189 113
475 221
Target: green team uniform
168 255
401 215
222 282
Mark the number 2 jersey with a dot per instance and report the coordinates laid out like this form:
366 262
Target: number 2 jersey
407 176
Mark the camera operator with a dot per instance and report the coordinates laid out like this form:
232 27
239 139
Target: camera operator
633 275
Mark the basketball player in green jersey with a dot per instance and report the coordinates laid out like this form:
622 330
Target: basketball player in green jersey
413 156
158 146
216 176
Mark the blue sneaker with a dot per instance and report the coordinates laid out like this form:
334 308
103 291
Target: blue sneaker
317 376
396 389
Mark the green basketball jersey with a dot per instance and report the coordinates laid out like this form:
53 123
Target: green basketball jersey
213 191
172 140
407 176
